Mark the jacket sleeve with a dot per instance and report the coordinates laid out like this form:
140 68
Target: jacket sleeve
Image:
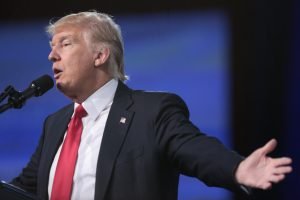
192 152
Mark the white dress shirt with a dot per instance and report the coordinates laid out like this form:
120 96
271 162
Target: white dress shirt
97 106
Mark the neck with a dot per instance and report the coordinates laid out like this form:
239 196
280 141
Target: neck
82 96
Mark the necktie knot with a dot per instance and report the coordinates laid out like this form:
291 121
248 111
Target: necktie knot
80 112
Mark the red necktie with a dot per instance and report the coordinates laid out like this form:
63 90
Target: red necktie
63 179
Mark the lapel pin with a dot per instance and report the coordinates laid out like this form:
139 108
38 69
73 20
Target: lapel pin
123 120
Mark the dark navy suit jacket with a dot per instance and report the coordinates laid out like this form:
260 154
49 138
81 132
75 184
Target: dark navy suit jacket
141 157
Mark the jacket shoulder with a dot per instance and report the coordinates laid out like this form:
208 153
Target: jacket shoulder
157 96
66 109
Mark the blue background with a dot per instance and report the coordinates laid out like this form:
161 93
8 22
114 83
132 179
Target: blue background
185 53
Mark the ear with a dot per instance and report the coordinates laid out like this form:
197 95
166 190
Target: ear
102 56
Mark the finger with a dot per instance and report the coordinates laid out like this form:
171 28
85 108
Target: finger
269 147
283 170
282 161
266 186
277 178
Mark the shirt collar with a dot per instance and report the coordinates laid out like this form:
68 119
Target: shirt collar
100 100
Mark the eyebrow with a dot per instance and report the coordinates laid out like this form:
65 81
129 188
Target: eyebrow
64 37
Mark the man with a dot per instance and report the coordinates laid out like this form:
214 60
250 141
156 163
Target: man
121 143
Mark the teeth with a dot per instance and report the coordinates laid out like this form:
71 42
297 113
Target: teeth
56 74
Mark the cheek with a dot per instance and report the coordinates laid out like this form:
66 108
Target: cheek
86 62
79 63
80 69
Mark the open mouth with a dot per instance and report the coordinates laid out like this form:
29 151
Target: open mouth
57 73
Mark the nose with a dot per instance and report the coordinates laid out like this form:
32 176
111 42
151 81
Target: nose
53 55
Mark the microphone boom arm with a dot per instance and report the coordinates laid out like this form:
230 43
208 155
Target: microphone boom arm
17 99
8 90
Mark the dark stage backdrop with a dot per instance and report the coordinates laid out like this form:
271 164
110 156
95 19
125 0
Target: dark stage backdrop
186 53
292 109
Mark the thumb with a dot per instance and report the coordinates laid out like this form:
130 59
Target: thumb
269 147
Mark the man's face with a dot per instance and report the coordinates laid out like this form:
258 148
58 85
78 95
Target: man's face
73 60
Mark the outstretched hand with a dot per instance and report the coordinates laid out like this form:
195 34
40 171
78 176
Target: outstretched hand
260 171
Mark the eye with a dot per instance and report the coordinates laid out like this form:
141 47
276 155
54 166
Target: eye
65 44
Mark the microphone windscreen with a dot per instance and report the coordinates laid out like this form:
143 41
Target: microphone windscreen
42 85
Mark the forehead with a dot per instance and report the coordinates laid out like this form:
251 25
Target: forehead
67 31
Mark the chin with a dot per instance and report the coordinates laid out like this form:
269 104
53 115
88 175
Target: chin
59 86
67 91
62 88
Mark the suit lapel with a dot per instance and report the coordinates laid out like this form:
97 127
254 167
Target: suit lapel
56 132
60 129
114 134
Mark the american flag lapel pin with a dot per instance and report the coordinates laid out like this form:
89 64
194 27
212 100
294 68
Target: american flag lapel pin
123 120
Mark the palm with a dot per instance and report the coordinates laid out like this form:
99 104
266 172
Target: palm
260 171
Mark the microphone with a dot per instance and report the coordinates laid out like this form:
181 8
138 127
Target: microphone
36 88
